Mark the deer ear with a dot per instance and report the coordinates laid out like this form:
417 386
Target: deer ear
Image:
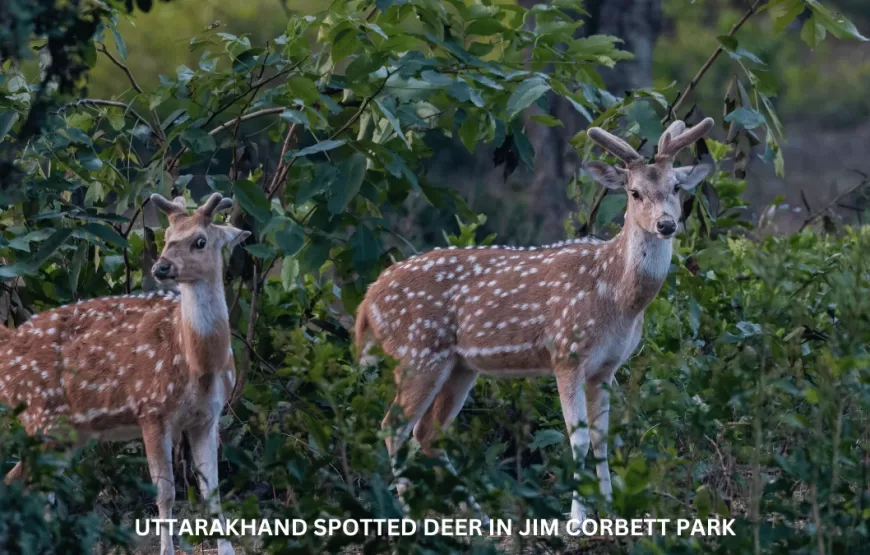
607 175
690 176
232 235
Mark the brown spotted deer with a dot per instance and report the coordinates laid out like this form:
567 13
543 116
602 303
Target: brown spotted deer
154 366
572 310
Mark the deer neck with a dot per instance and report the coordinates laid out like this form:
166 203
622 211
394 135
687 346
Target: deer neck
646 259
205 329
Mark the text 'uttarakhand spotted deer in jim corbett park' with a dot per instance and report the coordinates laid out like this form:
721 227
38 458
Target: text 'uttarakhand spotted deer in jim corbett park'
155 366
573 310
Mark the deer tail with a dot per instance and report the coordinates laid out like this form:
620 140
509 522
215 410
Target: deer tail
363 336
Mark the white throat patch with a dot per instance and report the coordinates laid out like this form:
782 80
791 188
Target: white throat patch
203 306
649 254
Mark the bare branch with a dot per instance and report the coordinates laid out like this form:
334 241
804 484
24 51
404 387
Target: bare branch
157 128
671 114
813 217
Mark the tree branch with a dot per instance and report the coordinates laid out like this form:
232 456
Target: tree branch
282 169
260 113
671 114
813 217
113 104
158 129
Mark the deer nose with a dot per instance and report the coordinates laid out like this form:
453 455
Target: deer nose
161 269
666 227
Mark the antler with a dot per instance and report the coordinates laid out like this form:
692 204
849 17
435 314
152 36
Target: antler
677 137
170 208
215 203
614 145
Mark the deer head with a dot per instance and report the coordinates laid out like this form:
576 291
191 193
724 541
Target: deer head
193 243
653 189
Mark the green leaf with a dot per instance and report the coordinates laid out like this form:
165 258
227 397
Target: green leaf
119 43
305 89
484 27
49 246
89 159
611 206
525 94
76 267
387 107
468 131
435 78
322 146
649 124
351 173
295 116
289 273
260 250
291 238
315 253
7 120
747 117
548 120
324 175
545 438
812 33
836 23
198 140
107 234
789 12
728 42
364 249
253 200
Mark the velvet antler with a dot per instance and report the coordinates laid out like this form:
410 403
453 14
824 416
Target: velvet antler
614 145
677 137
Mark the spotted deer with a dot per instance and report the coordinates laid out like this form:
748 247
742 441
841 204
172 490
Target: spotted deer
154 366
573 310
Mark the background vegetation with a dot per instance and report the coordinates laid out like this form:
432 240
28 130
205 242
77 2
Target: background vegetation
749 395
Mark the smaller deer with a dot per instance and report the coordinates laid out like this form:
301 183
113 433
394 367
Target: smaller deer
573 310
155 366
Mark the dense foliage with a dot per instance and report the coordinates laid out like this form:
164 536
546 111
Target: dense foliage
748 397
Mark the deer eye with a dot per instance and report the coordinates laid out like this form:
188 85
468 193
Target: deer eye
635 195
200 243
676 188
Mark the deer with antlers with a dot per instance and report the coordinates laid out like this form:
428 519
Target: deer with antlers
155 366
572 310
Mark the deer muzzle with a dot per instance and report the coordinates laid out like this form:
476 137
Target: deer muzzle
163 269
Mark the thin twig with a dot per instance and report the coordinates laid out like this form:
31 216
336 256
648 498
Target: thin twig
158 129
260 113
347 125
671 114
814 217
114 104
102 48
283 168
249 339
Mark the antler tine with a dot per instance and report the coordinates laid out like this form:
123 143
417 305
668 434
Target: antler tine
673 130
614 145
170 208
675 144
225 204
208 209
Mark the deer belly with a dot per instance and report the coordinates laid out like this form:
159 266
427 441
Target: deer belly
513 360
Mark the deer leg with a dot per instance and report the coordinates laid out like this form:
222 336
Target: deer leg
570 381
415 391
444 409
598 405
158 451
204 448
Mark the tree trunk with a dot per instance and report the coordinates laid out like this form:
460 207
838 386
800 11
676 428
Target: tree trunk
637 22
